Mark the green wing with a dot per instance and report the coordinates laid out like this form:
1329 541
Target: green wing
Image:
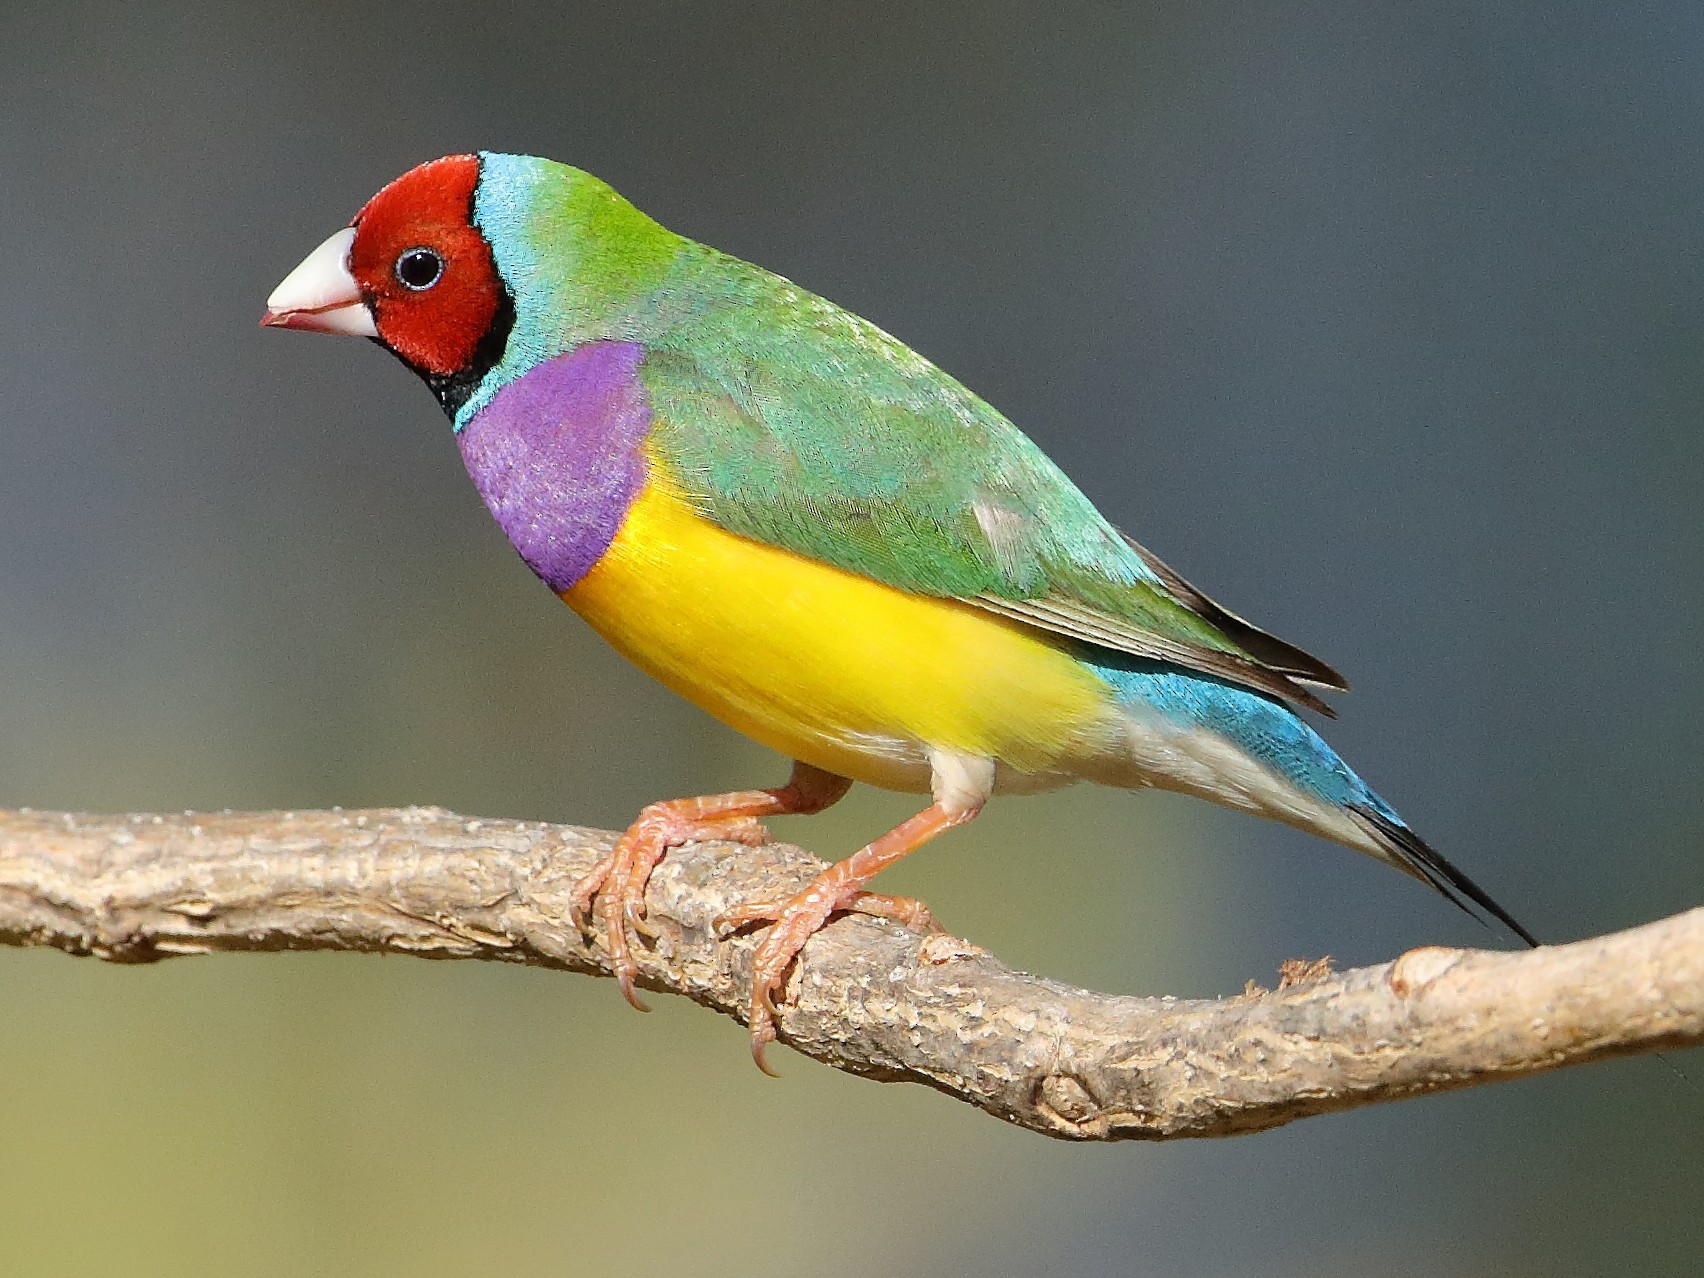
794 422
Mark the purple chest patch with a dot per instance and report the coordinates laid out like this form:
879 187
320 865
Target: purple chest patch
555 455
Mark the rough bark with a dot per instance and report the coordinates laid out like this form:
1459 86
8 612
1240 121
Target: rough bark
868 996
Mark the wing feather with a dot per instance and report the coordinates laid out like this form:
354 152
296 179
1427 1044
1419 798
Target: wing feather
784 418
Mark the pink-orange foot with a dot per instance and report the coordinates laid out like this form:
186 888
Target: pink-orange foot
615 887
838 888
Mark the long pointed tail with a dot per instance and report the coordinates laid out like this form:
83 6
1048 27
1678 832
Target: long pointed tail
1415 855
1299 778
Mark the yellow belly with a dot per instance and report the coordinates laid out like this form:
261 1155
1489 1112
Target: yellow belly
832 668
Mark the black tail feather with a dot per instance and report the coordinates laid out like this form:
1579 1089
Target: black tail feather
1418 856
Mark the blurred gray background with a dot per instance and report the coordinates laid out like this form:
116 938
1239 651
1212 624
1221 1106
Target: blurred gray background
1383 323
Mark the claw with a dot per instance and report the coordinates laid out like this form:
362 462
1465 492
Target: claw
761 1037
620 955
795 922
637 922
840 887
613 891
761 1022
625 979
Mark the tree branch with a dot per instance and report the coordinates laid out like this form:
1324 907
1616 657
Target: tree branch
868 997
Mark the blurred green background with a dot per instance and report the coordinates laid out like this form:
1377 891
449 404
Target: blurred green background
1384 323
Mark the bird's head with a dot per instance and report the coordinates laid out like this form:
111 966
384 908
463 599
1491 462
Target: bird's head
473 261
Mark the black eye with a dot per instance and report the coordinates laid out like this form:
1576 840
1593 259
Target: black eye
419 268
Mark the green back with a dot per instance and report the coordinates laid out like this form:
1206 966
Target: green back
796 422
787 419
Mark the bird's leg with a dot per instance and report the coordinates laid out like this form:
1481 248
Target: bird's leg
617 883
840 887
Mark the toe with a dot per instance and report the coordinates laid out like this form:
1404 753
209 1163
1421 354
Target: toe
586 890
742 916
906 910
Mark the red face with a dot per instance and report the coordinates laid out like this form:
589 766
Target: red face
423 268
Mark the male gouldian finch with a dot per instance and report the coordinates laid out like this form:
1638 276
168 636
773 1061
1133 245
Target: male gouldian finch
797 522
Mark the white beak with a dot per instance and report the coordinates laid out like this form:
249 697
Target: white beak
320 295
